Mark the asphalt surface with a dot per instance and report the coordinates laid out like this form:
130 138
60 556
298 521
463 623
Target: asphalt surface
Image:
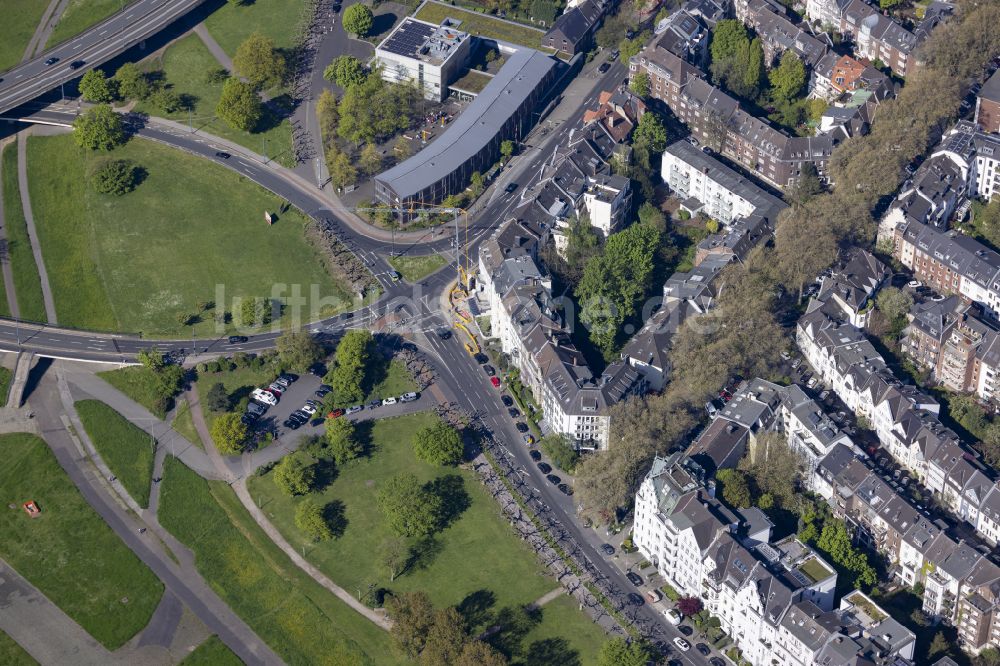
134 23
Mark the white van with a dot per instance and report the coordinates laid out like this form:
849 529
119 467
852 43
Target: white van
409 397
263 396
389 401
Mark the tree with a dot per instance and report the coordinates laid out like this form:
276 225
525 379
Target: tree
476 183
807 186
327 115
895 304
736 63
506 149
116 177
805 245
217 398
239 106
132 83
478 653
735 489
394 555
560 451
689 606
775 468
402 148
650 133
412 617
754 68
623 652
370 159
95 87
342 172
229 434
294 474
358 20
835 542
309 518
348 371
445 639
939 645
151 359
889 4
342 440
988 657
345 71
255 312
298 350
788 77
438 444
99 128
582 244
409 507
257 60
640 84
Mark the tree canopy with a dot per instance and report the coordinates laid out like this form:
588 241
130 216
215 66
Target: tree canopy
345 71
239 106
438 444
410 508
229 434
294 474
309 518
298 349
96 87
342 440
788 77
623 652
358 20
99 128
116 177
347 375
260 62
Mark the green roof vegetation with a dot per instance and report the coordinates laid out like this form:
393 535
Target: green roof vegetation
481 25
473 81
815 570
866 606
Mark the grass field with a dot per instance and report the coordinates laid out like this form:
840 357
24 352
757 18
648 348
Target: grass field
562 637
476 557
192 232
231 23
27 284
415 269
185 65
21 17
69 552
482 25
184 424
212 652
125 448
80 15
12 654
137 382
301 621
5 377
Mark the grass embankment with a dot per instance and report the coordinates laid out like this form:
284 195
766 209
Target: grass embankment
12 654
301 621
5 378
68 552
476 559
126 449
415 269
191 232
212 652
231 23
21 17
27 284
184 424
186 65
139 383
80 15
482 25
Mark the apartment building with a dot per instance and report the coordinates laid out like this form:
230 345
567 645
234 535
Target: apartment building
988 105
778 34
847 291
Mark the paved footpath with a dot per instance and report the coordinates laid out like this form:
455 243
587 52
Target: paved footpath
29 218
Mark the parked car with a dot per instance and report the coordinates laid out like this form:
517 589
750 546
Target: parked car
308 409
553 479
607 549
274 387
513 412
495 382
335 414
716 661
481 358
634 578
635 599
288 377
389 401
535 454
565 490
256 408
506 400
394 276
521 426
260 395
248 419
686 630
673 616
796 363
654 595
812 382
354 410
544 468
374 404
488 369
293 425
281 381
528 439
605 66
682 644
321 392
409 397
614 55
703 649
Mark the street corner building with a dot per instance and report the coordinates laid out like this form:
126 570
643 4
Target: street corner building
504 110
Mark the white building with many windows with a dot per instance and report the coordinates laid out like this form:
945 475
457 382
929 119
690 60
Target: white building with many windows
432 56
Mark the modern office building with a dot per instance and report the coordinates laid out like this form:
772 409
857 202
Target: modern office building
430 55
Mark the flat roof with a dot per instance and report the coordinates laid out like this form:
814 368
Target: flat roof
423 41
473 130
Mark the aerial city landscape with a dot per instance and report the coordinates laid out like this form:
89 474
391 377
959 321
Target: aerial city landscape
500 332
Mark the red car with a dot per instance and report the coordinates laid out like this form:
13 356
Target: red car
495 381
335 413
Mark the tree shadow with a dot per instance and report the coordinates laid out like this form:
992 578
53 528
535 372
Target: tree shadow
275 110
326 474
510 626
187 101
476 608
551 652
423 553
382 23
242 392
335 517
454 498
363 435
376 371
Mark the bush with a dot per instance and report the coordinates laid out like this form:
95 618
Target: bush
116 177
670 593
358 20
683 215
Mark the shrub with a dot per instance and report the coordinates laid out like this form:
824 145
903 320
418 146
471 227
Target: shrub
116 177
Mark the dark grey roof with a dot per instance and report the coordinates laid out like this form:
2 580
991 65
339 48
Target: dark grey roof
474 128
575 24
991 89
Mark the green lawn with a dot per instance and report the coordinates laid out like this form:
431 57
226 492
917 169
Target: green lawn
565 636
21 17
5 377
12 654
80 15
184 424
126 449
415 269
192 232
301 621
139 383
239 382
69 552
230 24
212 652
396 382
476 555
185 65
27 284
482 25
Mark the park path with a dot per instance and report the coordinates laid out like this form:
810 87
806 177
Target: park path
550 596
53 12
8 272
240 487
36 248
213 47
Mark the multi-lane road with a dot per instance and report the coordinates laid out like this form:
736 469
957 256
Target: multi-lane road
134 23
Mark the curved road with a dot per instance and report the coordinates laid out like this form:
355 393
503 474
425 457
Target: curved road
99 44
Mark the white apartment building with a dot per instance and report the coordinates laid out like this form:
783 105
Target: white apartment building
432 56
